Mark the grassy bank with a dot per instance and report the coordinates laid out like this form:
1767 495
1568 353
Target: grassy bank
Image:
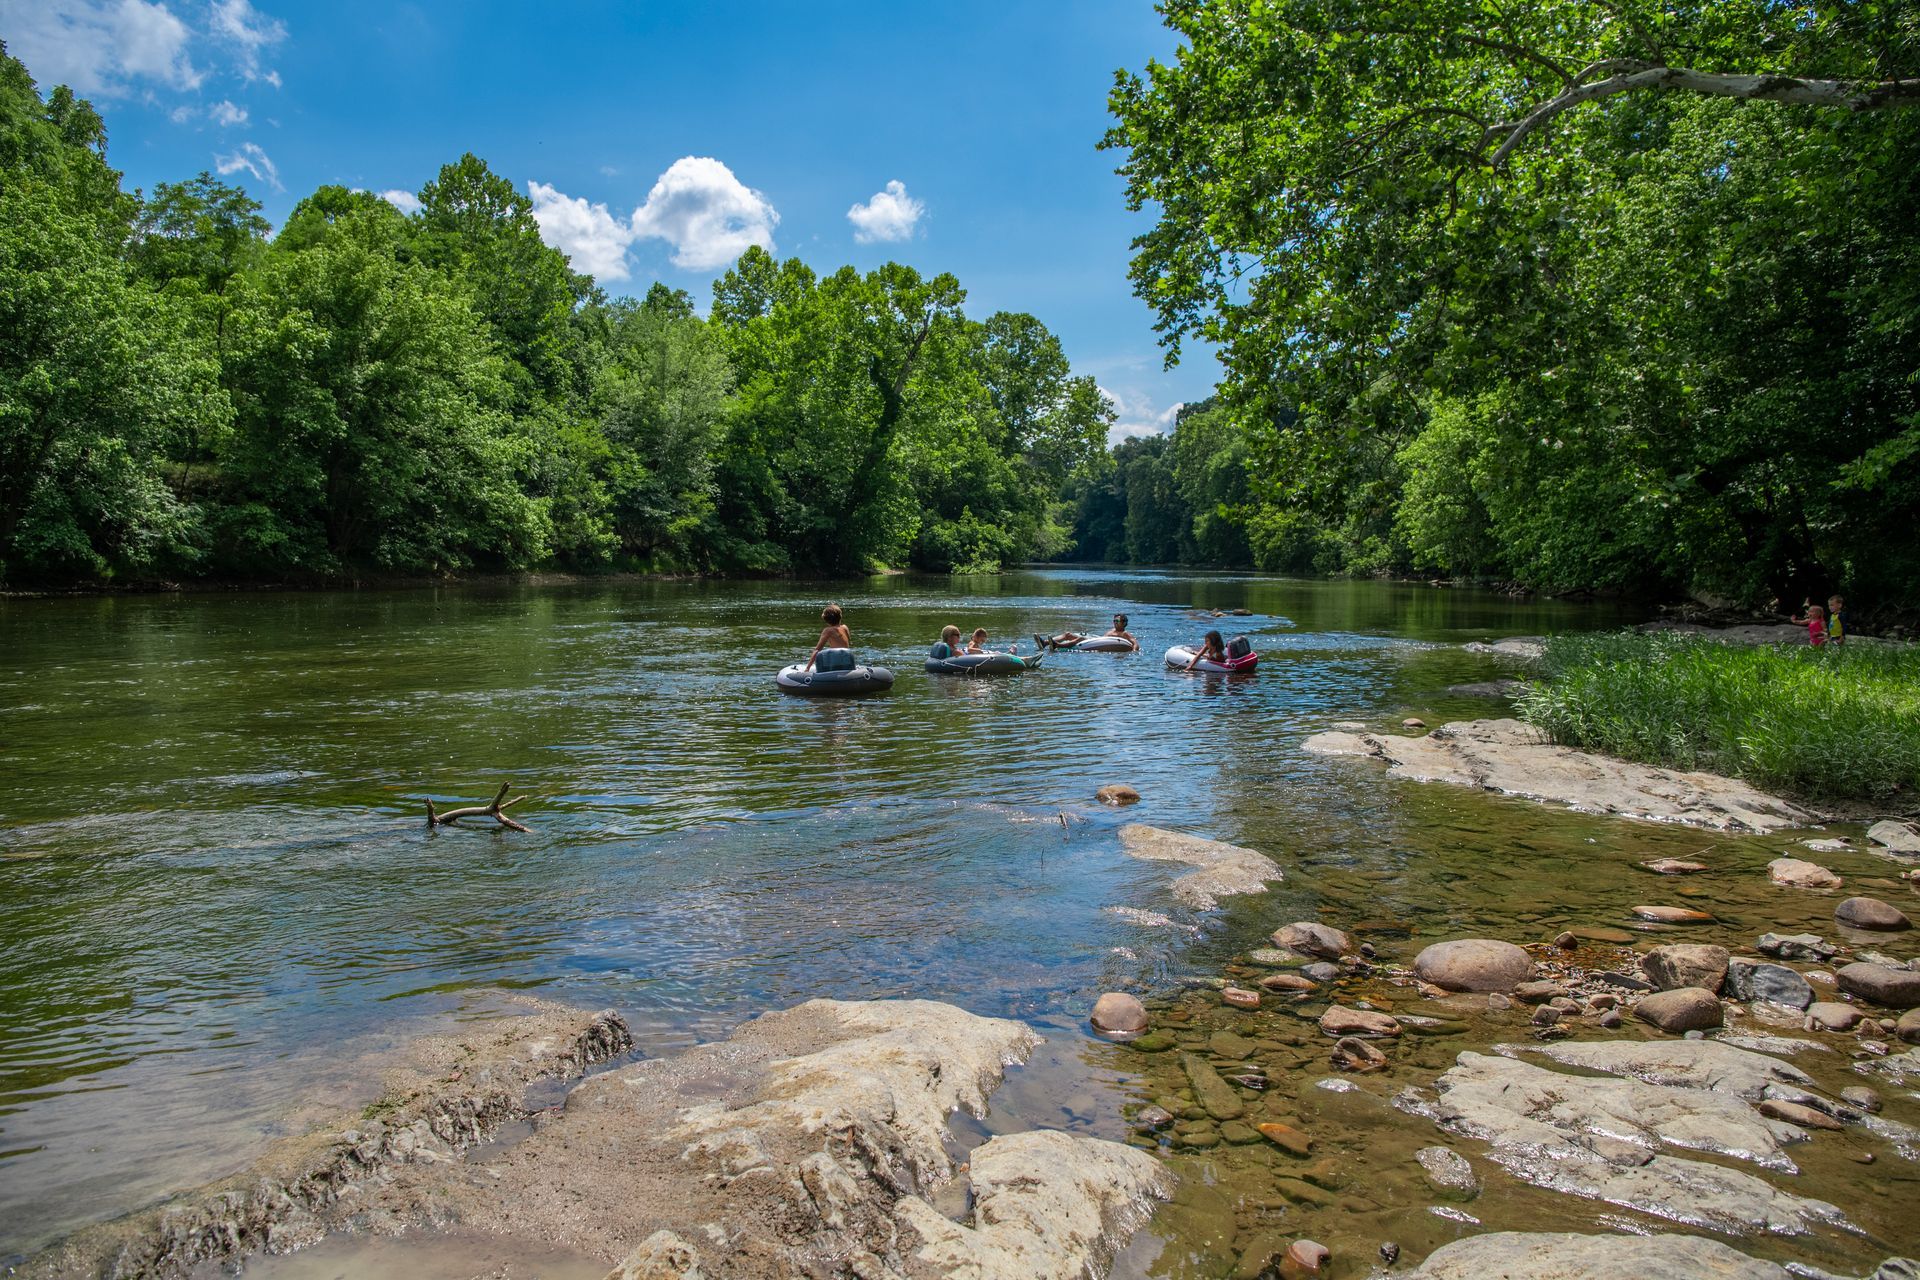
1823 724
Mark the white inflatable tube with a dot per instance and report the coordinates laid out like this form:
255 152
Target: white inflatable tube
1102 644
1180 655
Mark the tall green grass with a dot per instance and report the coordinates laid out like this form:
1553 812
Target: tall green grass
1823 724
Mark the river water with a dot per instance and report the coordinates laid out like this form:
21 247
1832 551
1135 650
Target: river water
217 892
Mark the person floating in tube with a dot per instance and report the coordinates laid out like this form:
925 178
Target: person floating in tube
1212 649
1066 638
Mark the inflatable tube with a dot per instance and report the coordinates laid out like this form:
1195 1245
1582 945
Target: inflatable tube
834 684
983 664
1102 644
1180 655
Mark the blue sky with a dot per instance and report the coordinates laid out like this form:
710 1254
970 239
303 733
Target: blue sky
659 139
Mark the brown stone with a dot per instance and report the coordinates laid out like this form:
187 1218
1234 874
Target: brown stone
1119 1012
1908 1028
1342 1021
1313 939
1673 866
1413 722
1287 1138
1240 997
1117 793
1794 1113
1681 1009
1871 913
1354 1054
1831 1015
1673 915
1882 984
1538 992
1686 964
1473 964
1287 982
1798 874
1303 1258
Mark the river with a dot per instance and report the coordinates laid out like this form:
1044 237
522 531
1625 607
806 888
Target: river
218 893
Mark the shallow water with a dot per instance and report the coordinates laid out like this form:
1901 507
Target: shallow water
216 886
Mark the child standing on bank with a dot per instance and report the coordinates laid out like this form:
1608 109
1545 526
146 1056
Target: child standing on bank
1836 620
1816 620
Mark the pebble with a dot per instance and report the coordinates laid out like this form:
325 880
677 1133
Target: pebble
1681 1009
1673 866
1240 997
1612 1019
1672 915
1153 1117
1389 1253
1287 982
1797 873
1795 1113
1871 913
1566 942
1117 793
1413 722
1545 1016
1287 1138
1118 1012
1538 992
1604 1000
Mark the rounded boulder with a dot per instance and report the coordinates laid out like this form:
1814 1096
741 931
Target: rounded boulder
1120 1013
1681 1009
1871 913
1686 964
1473 964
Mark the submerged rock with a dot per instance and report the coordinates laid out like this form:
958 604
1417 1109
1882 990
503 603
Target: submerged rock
1221 870
1341 1021
1674 866
1681 1009
1871 913
1515 758
1796 946
1214 1094
1545 1256
1672 915
1473 964
1686 964
1117 1011
1116 794
1448 1173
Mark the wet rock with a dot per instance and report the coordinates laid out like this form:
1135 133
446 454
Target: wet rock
1512 757
1795 1113
1859 1095
1538 992
1882 984
1473 964
1681 1009
1908 1028
1749 979
1610 1140
1153 1042
1342 1021
1321 971
1612 1256
1287 982
1620 981
1672 915
1831 1015
1303 1258
1220 870
1275 958
1214 1094
1240 997
1682 1064
1871 913
1287 1138
1230 1045
1566 941
1895 836
1795 946
1601 933
1313 939
1152 1118
1686 964
1239 1133
1116 794
1389 1253
1413 722
1354 1054
1448 1173
1674 866
1797 874
1545 1016
1612 1020
1603 1000
1119 1013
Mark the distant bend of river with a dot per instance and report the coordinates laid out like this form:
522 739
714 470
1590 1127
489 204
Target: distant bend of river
216 883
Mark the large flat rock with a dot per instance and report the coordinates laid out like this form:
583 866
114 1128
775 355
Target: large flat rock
1515 758
1220 870
1522 1255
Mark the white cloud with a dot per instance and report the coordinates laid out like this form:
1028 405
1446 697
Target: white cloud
404 201
251 159
238 24
709 216
226 115
99 47
182 114
592 238
698 206
1135 415
890 215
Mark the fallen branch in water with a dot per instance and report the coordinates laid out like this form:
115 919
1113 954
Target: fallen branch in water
497 810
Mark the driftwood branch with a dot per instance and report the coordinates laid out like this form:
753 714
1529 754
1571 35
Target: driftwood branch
1626 76
496 809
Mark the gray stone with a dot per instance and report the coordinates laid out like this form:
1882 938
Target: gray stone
1681 1009
1220 870
1908 1028
1749 979
1797 873
1119 1012
1473 964
1831 1015
1310 938
1551 1256
1895 837
1448 1173
1882 984
1681 1064
1686 964
1213 1093
1871 913
1796 946
1321 971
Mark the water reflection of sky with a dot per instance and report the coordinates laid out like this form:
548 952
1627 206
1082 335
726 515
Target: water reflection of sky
214 866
